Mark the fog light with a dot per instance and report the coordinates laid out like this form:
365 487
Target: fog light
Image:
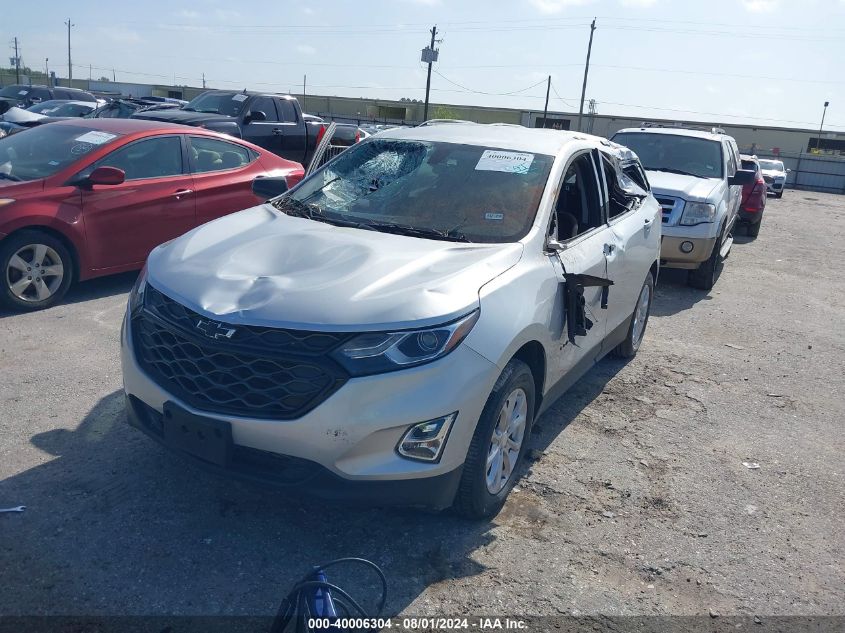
687 246
425 441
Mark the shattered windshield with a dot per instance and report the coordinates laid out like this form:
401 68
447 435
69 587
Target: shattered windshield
428 189
686 155
227 103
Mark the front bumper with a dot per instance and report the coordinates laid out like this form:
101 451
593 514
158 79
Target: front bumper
671 255
346 446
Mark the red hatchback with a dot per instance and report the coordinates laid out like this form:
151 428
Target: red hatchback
86 198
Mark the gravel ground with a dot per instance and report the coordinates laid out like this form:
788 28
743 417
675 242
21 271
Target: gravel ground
636 500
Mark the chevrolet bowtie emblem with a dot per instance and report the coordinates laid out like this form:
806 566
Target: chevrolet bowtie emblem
215 330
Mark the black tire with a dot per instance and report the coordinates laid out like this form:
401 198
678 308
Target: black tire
628 348
10 274
779 194
753 230
705 276
473 499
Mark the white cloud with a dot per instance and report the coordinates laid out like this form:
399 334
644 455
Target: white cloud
760 6
308 11
305 49
556 6
187 14
639 4
124 36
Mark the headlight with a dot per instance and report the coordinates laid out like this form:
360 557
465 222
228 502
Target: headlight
698 213
136 295
379 352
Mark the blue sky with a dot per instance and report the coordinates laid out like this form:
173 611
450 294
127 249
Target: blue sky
692 59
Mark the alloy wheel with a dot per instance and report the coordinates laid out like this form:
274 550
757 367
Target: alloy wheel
506 442
34 273
640 316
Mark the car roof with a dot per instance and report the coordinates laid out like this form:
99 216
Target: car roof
493 135
128 126
676 131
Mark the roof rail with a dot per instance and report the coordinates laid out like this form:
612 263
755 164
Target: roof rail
443 121
684 126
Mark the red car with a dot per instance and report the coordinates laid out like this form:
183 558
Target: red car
753 198
90 197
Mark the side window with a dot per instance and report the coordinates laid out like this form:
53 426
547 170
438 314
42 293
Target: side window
265 105
286 110
578 208
731 156
157 157
635 172
39 93
211 154
619 203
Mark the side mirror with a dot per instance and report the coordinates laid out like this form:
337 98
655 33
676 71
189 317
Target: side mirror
788 170
107 176
743 177
269 187
255 115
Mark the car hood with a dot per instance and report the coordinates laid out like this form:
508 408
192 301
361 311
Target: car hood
176 115
262 267
19 115
680 186
773 173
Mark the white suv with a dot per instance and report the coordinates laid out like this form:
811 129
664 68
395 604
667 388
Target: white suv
391 327
697 178
774 173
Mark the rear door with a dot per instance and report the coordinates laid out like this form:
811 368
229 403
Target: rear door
123 223
732 163
222 174
634 237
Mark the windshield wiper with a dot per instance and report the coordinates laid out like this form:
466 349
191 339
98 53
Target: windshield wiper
418 231
676 171
9 177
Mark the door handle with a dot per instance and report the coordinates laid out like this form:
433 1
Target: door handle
647 222
608 249
278 131
182 192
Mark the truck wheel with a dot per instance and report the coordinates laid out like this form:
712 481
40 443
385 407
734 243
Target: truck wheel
639 319
753 230
705 275
498 444
36 271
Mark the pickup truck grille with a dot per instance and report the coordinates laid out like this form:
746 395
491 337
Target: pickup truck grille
667 207
258 372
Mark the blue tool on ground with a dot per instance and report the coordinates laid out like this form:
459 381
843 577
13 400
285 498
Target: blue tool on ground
315 598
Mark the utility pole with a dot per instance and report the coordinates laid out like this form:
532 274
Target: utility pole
17 63
429 55
586 71
69 64
546 107
304 79
203 81
819 138
113 75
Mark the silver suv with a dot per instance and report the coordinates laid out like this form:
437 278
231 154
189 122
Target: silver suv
697 179
390 328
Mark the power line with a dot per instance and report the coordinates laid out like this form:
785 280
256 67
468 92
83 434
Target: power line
492 94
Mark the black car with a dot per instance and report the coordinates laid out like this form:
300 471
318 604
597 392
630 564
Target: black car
23 96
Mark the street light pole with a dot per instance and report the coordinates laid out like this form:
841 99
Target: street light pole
586 72
69 65
819 138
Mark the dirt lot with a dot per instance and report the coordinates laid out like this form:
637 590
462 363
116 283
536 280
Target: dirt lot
638 501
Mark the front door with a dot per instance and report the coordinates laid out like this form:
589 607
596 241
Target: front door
265 133
123 223
579 227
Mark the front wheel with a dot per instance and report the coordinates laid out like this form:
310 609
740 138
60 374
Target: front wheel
628 348
779 194
705 275
498 444
35 270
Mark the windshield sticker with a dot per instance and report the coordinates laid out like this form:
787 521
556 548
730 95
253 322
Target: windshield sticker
53 163
239 97
95 138
22 92
496 217
508 162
